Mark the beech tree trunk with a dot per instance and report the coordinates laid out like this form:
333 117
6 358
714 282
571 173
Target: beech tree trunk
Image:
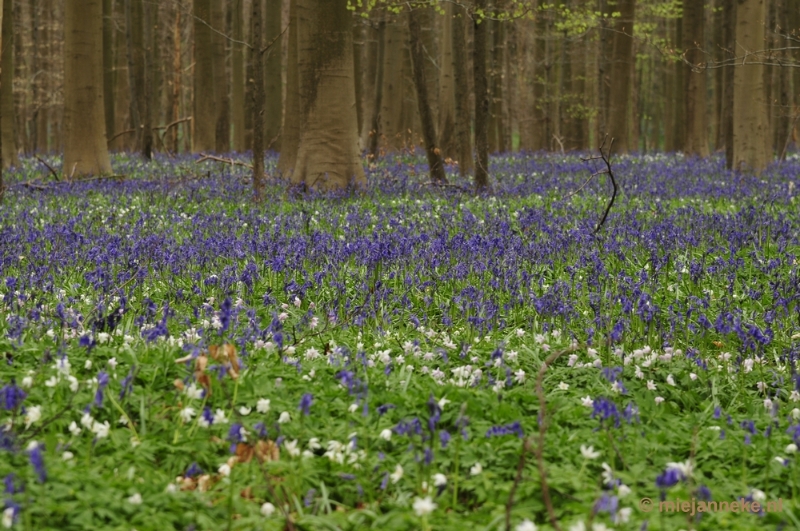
751 135
2 82
729 32
539 114
291 118
7 113
695 82
204 117
237 76
138 74
481 101
622 76
435 162
221 109
257 104
85 150
447 108
391 116
108 66
273 111
327 155
375 128
461 82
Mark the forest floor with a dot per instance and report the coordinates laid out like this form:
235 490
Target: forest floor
411 357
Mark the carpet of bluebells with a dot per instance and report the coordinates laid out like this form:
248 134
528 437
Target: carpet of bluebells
174 356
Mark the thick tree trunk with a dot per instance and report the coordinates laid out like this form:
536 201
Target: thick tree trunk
273 111
497 137
177 85
237 76
481 101
85 150
751 136
461 82
8 122
391 126
108 65
204 117
695 82
621 76
138 70
371 38
375 127
221 102
291 118
447 107
2 82
327 156
257 104
359 46
433 152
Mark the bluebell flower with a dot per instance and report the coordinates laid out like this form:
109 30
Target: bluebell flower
102 382
305 403
508 429
444 438
193 470
12 395
37 461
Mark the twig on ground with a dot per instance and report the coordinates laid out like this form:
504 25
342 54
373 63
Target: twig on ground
606 158
52 171
204 157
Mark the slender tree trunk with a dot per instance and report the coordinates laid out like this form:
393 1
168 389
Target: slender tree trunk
8 121
273 111
138 70
359 46
447 107
497 125
481 101
393 87
750 124
784 118
369 93
433 152
696 125
257 104
461 82
220 78
291 118
237 76
204 119
621 76
327 156
729 31
540 139
108 65
375 129
177 85
85 150
2 83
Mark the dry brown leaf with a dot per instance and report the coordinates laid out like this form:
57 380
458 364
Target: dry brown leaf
178 384
247 493
267 451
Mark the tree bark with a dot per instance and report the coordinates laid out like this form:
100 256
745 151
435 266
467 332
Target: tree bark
108 65
138 70
204 119
696 125
237 77
539 126
327 155
461 82
435 163
85 150
220 78
391 116
497 137
273 112
257 104
2 48
729 32
291 118
375 129
621 76
751 136
8 121
481 100
447 108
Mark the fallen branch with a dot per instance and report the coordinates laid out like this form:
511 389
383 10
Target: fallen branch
606 158
204 157
52 171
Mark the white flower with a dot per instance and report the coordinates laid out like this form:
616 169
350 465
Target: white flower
386 434
519 376
51 382
284 418
224 469
101 430
563 386
219 417
525 525
587 401
33 414
87 364
123 420
66 456
520 332
685 468
796 414
651 386
795 396
352 408
291 447
313 444
135 499
623 515
423 506
578 526
73 384
8 518
659 399
639 374
475 469
790 448
311 354
758 495
692 376
262 406
443 402
112 363
27 382
194 392
599 526
87 420
589 452
397 474
172 488
607 474
670 380
103 337
267 509
187 414
439 480
767 403
244 411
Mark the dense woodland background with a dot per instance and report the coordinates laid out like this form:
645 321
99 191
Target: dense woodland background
656 75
